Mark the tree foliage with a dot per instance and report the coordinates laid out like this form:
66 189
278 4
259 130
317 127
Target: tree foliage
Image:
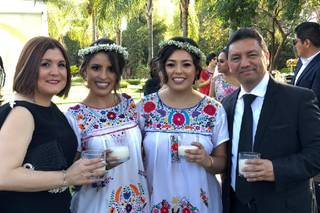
134 39
209 22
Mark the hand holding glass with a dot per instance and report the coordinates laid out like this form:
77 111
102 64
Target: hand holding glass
185 144
95 153
117 149
243 157
183 148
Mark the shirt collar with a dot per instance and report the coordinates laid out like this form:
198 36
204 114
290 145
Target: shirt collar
307 60
259 90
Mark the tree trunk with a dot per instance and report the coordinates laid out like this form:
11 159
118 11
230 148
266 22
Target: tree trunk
184 13
201 17
149 8
118 35
94 23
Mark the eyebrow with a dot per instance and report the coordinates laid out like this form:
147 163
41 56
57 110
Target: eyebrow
187 60
46 59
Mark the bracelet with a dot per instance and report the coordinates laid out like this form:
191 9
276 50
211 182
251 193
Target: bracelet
64 178
63 187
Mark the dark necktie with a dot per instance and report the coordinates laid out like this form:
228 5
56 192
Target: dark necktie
243 188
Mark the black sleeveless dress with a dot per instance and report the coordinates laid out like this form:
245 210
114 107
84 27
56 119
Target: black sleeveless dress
52 148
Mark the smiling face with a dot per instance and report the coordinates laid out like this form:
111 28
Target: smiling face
248 62
100 75
180 70
52 77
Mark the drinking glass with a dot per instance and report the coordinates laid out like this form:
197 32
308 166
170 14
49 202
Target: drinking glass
243 157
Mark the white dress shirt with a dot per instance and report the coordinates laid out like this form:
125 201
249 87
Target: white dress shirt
305 62
259 91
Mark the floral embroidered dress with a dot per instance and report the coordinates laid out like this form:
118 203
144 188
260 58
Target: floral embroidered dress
124 188
176 185
222 88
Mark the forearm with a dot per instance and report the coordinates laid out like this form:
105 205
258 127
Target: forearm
216 164
204 83
26 180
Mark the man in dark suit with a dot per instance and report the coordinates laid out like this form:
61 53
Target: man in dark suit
284 126
307 44
307 72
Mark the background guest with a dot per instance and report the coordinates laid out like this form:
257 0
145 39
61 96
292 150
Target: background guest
307 72
225 82
207 74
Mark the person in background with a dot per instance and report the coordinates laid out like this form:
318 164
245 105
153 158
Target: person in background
105 118
307 44
307 72
153 84
279 121
225 82
37 144
178 116
207 74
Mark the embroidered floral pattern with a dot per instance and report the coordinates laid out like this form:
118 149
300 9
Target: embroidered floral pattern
162 207
174 142
159 117
127 199
89 119
149 107
223 88
210 109
178 205
204 197
106 181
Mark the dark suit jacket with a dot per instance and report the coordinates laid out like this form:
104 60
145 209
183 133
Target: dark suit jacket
310 77
288 134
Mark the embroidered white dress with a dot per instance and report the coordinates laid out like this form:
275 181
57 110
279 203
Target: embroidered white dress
176 185
124 188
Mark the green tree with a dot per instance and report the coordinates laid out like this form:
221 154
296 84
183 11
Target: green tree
110 14
134 39
213 33
60 18
276 19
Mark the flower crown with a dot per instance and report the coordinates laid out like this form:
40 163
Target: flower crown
105 47
184 45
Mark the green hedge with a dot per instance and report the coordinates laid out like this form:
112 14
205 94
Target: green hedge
77 80
134 81
123 84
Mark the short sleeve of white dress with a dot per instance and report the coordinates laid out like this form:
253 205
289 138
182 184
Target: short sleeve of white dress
220 130
73 123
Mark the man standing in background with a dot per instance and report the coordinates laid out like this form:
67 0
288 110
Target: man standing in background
307 72
307 44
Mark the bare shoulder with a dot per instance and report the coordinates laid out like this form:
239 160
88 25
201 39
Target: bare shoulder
19 116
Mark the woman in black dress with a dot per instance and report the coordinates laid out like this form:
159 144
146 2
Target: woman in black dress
37 145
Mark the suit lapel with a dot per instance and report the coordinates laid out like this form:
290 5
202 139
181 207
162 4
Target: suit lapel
308 69
267 111
230 111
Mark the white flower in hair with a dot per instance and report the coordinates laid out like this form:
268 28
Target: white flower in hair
184 45
105 47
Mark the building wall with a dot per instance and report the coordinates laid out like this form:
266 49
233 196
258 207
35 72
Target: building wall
20 20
